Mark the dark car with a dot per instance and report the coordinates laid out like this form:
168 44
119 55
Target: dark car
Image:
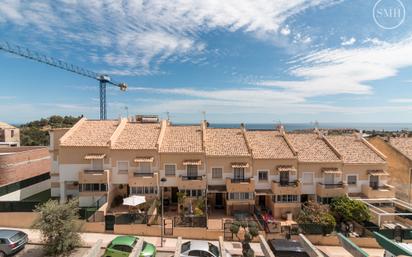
11 241
287 248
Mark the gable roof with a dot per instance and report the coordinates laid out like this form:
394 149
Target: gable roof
403 145
141 136
312 148
182 139
269 145
354 150
5 125
90 133
225 142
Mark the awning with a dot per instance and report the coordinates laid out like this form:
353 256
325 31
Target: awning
192 162
216 189
134 200
240 165
377 173
94 156
143 159
331 171
289 168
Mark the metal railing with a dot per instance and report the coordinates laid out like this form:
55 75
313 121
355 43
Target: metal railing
192 177
94 171
240 180
190 221
143 174
287 183
332 186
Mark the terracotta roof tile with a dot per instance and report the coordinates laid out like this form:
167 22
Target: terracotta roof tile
268 145
225 142
138 136
403 145
91 133
354 150
311 148
182 139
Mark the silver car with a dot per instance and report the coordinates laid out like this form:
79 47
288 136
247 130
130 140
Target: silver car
199 249
11 241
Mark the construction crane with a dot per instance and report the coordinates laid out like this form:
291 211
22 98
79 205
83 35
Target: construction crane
102 78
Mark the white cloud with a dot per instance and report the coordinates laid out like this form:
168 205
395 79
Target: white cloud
400 100
285 31
348 42
342 70
136 36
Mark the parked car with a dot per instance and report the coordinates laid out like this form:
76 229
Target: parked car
123 246
11 241
199 248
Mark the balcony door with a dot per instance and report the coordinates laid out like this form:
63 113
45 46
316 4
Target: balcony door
239 173
284 177
192 171
374 181
329 179
97 164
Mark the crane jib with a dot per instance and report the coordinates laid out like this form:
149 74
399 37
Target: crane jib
102 78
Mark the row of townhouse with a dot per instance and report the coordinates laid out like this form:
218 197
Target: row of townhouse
234 168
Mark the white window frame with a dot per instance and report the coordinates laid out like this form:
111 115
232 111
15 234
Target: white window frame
357 179
122 171
217 167
92 166
313 177
150 167
267 175
171 164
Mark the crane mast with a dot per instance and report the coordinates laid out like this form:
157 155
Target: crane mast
102 78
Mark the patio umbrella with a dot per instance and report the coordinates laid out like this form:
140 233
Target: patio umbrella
134 200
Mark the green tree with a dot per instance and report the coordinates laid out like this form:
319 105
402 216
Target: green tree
314 216
346 209
250 231
57 224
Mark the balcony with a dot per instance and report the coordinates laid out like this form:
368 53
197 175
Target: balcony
286 188
240 185
384 191
94 176
331 190
143 179
191 182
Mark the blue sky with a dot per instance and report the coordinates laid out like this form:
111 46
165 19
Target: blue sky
239 61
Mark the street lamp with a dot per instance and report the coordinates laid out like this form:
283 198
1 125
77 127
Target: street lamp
162 180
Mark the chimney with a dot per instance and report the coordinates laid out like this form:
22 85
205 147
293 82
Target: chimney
359 135
281 129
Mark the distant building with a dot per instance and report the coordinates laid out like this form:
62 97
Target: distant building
24 177
9 135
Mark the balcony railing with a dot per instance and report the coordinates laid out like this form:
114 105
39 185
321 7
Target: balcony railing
94 171
192 177
332 186
287 183
240 180
143 174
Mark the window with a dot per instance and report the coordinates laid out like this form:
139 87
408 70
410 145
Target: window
352 180
170 169
374 181
263 175
192 192
97 164
307 178
143 190
191 170
122 166
284 177
239 173
92 187
145 167
240 196
286 198
217 172
12 133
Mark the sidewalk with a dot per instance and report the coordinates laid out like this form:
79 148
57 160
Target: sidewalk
169 244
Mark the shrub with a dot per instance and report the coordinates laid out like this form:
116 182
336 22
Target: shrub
57 225
346 209
314 213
